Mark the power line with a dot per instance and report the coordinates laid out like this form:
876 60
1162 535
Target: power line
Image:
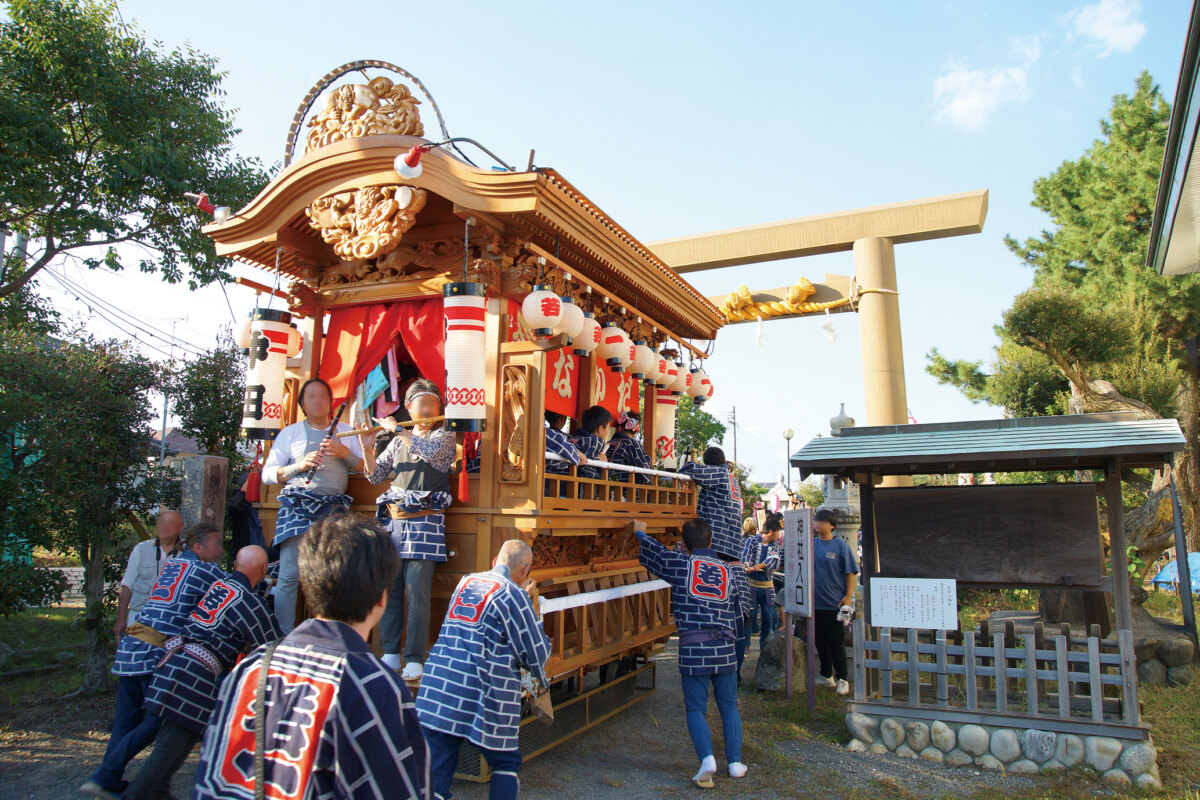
126 317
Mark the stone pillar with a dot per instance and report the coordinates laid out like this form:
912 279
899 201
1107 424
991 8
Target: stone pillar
204 479
879 327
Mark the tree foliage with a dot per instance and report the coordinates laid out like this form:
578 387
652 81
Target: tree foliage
101 133
695 429
1099 331
73 423
206 394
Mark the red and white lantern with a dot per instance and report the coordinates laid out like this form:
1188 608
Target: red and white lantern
669 374
543 310
681 382
615 347
657 371
590 336
702 386
464 306
665 407
271 340
572 319
643 360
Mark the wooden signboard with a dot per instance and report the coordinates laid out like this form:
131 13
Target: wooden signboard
1046 535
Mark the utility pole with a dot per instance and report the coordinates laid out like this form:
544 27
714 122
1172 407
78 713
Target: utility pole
162 445
733 422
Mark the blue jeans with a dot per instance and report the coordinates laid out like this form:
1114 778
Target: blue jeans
443 763
695 704
133 730
764 600
408 606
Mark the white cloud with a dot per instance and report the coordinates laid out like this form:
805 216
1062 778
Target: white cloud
1111 25
1077 76
1026 49
967 98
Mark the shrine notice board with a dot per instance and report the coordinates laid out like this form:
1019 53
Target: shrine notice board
1044 535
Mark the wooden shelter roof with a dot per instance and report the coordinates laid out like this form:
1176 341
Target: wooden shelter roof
539 207
1083 441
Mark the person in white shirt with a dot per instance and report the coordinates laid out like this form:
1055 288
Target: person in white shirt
145 562
298 448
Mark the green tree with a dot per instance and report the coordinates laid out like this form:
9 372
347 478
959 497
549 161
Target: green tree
206 393
695 429
810 493
1099 331
73 422
101 133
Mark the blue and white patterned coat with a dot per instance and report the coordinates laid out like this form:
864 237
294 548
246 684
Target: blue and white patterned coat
230 618
560 444
180 585
707 594
628 451
419 538
300 508
472 681
755 552
339 724
592 447
720 505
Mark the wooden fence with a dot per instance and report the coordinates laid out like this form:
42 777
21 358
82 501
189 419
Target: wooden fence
1057 678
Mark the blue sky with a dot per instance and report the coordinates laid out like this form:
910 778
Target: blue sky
680 118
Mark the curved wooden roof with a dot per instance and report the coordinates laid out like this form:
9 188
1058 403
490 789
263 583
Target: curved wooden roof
540 207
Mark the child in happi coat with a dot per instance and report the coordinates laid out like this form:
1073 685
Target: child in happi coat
412 509
625 448
595 429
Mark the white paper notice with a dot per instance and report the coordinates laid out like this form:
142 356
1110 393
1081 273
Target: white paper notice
925 603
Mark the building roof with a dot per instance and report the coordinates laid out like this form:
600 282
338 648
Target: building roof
177 443
1084 441
1175 231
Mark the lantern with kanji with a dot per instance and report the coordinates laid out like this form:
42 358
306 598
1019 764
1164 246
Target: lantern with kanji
543 310
669 373
665 406
614 347
590 335
643 360
572 319
270 340
657 371
464 306
681 382
701 388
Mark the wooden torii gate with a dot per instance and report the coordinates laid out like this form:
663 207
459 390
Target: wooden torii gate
871 233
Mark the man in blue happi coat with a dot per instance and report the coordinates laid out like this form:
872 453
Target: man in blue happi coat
707 596
230 619
180 585
472 685
720 501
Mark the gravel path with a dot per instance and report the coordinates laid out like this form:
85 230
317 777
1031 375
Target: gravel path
642 753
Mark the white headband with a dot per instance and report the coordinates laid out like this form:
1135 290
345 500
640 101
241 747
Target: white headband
422 394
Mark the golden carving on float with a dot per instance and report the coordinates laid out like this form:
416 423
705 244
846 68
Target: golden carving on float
512 427
354 110
741 306
368 222
302 299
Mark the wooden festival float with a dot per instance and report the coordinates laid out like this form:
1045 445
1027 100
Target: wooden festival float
517 295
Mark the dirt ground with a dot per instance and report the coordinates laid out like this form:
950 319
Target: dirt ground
47 752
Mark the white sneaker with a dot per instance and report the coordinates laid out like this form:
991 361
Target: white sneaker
413 671
826 683
843 688
737 769
391 660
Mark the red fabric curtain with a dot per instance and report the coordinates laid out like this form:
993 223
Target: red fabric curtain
359 338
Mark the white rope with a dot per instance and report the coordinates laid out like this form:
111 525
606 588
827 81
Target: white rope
622 468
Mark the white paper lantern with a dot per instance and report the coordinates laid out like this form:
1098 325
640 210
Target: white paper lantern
683 379
702 387
590 335
695 390
615 347
572 319
270 342
665 407
241 334
657 371
669 373
542 309
643 359
464 306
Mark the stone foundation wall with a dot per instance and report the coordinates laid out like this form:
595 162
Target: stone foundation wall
1122 762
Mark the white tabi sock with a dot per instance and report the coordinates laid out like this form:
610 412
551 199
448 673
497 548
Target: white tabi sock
708 768
391 660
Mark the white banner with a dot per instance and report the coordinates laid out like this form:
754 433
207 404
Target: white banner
925 603
797 557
